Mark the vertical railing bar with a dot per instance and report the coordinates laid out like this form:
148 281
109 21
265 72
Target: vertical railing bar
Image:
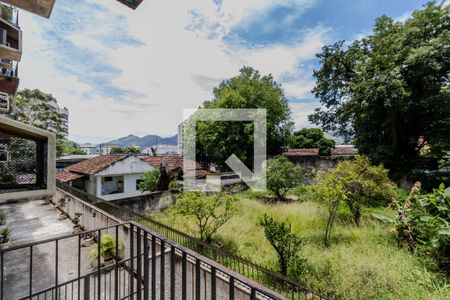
139 264
31 271
116 268
183 276
197 279
231 287
253 294
79 266
110 286
213 283
99 275
153 267
146 271
172 272
131 279
1 276
87 288
56 265
162 269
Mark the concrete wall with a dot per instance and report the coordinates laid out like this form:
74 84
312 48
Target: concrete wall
148 202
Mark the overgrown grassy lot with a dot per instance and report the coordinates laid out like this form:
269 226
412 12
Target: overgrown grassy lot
361 263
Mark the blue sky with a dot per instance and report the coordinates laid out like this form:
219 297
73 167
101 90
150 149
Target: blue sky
123 72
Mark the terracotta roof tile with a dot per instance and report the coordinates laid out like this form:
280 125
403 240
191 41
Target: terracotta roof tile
344 151
67 176
302 152
171 162
96 164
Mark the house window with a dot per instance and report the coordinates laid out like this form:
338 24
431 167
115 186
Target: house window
108 179
138 183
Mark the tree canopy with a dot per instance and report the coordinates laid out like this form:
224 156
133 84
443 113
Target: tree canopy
282 175
208 212
354 183
312 138
216 141
389 92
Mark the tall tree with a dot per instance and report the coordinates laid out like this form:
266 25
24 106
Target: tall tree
216 141
389 92
312 138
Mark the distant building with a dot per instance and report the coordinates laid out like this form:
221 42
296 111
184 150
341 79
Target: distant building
90 149
106 149
64 113
10 49
161 150
180 138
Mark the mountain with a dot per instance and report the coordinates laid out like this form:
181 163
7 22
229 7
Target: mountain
143 142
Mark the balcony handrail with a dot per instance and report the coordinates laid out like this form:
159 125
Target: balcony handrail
276 279
57 238
150 238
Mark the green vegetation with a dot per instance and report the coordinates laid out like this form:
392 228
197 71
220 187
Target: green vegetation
216 141
149 181
66 147
107 249
286 243
5 235
282 175
362 263
34 107
208 212
355 183
423 223
312 138
126 150
374 90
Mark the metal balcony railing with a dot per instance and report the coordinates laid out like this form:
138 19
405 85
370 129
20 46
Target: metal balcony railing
144 265
288 287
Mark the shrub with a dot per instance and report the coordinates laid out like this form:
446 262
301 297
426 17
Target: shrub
355 183
286 243
5 235
226 243
432 224
107 248
282 175
423 223
305 192
149 181
209 212
175 186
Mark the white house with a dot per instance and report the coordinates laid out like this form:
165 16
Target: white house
109 177
90 149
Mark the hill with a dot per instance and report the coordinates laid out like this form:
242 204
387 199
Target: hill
143 142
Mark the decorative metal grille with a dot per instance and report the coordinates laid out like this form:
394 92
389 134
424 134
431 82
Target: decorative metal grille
23 162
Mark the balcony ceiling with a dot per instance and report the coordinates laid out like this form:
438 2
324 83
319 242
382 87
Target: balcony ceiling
39 7
10 53
131 3
9 84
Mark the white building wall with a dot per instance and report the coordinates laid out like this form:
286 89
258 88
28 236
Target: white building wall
131 168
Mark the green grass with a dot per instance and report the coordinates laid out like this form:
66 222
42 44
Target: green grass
362 262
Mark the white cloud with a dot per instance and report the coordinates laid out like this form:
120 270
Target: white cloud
300 112
173 69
